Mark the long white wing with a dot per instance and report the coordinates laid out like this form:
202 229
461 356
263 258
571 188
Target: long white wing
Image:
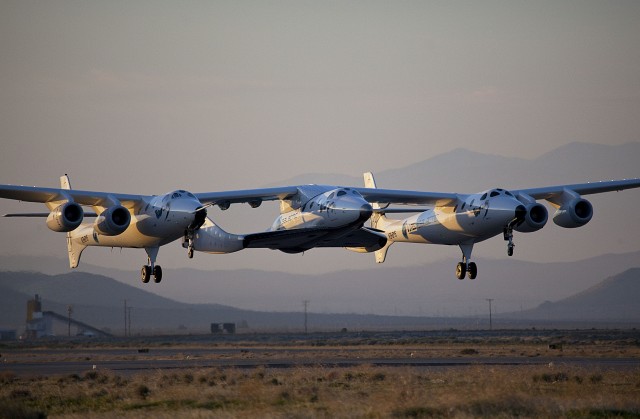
550 192
400 197
247 195
46 195
383 196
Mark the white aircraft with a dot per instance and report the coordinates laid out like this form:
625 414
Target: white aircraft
465 220
311 216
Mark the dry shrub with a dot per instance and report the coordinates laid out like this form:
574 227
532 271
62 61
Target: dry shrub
362 391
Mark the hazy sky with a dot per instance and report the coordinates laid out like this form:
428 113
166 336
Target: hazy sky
149 96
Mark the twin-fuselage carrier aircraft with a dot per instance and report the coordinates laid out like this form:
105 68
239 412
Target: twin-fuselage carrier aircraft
310 216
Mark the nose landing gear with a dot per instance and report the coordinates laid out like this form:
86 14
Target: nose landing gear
187 242
508 236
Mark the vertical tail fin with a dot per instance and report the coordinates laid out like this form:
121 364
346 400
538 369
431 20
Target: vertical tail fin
73 247
378 219
65 183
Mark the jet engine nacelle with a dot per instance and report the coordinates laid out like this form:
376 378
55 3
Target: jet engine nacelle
113 221
536 218
67 217
574 214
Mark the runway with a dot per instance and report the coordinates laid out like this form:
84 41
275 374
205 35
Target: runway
127 361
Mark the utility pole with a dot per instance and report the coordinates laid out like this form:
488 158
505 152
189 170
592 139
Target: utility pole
69 311
490 317
129 319
125 317
306 303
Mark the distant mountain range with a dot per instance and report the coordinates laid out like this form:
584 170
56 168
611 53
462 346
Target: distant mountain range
99 301
466 171
614 299
426 290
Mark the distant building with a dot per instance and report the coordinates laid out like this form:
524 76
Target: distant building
41 323
223 328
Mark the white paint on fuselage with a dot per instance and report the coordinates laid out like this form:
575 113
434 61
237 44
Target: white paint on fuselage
160 221
332 209
472 220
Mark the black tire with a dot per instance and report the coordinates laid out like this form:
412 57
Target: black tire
157 274
461 270
473 270
145 273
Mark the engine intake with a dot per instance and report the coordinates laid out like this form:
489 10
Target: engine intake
113 221
67 217
574 214
535 218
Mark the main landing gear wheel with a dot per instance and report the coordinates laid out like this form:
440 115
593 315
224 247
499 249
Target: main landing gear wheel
145 273
190 252
157 274
472 270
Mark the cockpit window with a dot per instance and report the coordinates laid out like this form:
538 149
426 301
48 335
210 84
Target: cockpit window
508 193
483 197
341 193
331 195
495 193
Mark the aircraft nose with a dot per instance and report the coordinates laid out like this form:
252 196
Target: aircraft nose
365 212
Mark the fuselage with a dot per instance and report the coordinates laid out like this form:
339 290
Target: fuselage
475 218
337 208
315 213
158 221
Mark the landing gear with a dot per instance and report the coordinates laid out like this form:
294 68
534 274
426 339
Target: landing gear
147 271
187 242
466 268
151 268
198 221
508 236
